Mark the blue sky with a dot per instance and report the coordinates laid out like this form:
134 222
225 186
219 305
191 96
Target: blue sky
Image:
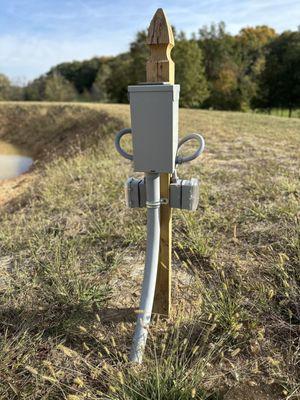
37 34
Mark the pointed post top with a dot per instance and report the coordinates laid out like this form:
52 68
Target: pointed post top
160 31
160 66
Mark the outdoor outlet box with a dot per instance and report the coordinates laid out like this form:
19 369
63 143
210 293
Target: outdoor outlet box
154 124
135 193
184 193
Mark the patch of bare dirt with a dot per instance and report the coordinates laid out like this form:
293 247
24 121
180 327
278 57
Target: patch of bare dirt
261 392
12 189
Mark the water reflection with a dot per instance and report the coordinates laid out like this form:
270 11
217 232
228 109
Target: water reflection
13 161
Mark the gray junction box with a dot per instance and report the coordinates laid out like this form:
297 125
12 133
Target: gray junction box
184 194
154 124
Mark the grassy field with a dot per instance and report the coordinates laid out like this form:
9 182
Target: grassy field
284 113
71 262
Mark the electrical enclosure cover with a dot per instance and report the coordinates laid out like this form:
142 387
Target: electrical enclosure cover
154 124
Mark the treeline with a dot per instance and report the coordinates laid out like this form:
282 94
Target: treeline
255 69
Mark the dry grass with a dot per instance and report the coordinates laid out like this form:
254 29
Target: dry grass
71 257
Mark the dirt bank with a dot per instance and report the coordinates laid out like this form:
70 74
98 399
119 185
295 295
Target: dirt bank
47 131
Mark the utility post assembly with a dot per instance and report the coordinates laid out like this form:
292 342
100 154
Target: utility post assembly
154 118
160 68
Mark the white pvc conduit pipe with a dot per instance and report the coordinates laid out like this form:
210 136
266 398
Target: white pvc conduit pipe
151 263
153 202
152 254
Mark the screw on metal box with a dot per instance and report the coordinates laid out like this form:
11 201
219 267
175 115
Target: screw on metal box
154 120
135 193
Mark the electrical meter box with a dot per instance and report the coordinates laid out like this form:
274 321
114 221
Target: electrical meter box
154 124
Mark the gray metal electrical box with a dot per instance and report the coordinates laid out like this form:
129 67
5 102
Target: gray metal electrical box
184 194
154 124
135 193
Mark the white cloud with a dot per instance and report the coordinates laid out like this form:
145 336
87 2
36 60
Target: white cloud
281 15
85 28
22 56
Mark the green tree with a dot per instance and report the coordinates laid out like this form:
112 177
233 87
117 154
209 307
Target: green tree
9 91
189 72
233 63
250 54
280 79
99 91
225 91
4 87
57 88
139 54
35 90
81 74
119 78
218 48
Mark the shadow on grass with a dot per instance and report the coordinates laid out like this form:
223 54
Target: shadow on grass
62 321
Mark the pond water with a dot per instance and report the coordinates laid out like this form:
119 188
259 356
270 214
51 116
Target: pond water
13 161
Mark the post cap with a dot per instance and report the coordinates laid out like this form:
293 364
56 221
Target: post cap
160 31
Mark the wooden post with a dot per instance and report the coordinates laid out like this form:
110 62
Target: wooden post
160 68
